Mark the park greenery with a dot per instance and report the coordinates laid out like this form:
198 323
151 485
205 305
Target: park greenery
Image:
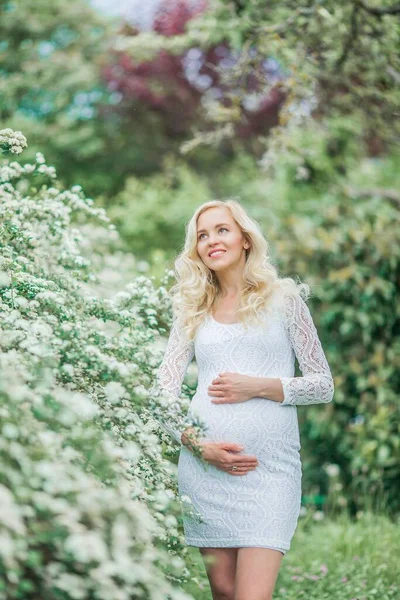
138 129
85 489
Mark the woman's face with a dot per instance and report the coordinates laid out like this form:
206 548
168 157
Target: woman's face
220 241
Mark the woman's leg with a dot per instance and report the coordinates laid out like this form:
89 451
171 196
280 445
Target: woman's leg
220 564
256 573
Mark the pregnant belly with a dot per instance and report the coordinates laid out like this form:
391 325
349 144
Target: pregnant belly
251 423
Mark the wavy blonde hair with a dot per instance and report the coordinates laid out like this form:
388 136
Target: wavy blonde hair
197 288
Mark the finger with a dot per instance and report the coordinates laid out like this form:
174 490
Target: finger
244 472
247 465
238 459
222 401
237 470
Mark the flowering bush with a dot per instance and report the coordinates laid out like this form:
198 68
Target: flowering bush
89 503
12 141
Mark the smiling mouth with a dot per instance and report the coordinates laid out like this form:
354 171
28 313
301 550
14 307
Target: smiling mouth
216 253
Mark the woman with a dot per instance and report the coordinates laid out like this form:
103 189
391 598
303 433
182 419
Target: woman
245 325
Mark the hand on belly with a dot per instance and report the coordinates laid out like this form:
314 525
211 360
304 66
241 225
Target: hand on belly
232 388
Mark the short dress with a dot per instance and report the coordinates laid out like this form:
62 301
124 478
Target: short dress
261 508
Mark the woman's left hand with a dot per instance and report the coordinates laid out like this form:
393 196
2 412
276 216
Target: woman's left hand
230 388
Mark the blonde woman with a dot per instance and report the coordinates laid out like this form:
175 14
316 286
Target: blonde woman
245 325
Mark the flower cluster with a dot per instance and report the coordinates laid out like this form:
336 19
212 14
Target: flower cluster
12 141
90 505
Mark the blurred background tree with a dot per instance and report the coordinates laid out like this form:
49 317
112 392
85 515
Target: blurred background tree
50 58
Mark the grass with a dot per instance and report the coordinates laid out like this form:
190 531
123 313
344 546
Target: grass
339 559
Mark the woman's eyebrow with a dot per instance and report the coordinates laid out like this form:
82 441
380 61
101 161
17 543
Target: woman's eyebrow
218 225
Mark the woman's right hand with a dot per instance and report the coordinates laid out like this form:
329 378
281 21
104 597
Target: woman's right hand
223 455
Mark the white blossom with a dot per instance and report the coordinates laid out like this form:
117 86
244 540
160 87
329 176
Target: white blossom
77 430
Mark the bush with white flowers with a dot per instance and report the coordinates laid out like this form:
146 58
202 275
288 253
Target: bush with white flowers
89 503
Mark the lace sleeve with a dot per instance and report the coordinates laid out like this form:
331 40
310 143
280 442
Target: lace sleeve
169 377
316 386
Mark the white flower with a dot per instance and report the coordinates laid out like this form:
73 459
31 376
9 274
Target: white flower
318 515
9 431
82 405
69 369
41 329
10 516
114 391
87 546
14 140
40 158
186 498
132 451
73 585
7 547
332 470
4 279
170 521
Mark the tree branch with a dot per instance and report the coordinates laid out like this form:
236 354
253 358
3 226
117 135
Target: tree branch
351 37
378 12
281 27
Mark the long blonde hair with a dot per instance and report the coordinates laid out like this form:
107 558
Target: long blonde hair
197 288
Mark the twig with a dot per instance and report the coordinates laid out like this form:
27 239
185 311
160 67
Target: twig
378 12
351 37
289 21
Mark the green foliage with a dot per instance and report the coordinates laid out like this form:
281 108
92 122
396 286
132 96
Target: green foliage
343 239
338 559
51 54
337 59
84 486
150 213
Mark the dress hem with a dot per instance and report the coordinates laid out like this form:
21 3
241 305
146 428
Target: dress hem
234 543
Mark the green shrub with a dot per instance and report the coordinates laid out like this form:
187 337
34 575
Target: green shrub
85 489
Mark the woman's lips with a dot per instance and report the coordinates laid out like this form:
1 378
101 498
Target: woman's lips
217 253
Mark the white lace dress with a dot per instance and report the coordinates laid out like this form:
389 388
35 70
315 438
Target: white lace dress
259 509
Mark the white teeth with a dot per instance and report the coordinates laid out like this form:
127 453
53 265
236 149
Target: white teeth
217 252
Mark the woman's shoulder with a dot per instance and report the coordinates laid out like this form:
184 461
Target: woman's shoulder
286 303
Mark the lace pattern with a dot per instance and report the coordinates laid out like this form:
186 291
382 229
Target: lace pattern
259 509
170 374
316 386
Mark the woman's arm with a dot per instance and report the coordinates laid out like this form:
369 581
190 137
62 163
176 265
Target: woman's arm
169 377
316 385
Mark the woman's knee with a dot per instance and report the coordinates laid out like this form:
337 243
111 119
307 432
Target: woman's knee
221 571
223 590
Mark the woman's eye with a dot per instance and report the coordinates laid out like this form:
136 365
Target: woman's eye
220 229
